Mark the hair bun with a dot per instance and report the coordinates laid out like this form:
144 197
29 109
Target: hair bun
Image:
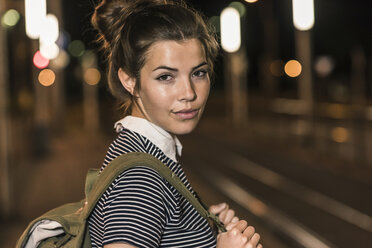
104 18
110 15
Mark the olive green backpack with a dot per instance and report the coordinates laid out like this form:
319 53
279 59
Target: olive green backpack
66 226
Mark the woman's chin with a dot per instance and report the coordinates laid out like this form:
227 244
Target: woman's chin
183 128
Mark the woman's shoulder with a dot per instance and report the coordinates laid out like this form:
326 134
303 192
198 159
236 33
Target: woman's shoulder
139 185
125 142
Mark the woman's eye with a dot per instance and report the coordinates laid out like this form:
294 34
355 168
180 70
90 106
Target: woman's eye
164 77
201 73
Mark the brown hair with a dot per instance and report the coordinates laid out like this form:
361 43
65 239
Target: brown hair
127 29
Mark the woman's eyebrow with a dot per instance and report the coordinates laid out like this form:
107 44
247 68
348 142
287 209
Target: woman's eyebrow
200 65
165 67
175 69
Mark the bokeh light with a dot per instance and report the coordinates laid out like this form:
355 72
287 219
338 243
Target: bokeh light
303 14
76 48
340 134
251 1
50 30
47 77
324 65
10 18
239 7
40 61
277 68
62 60
89 59
230 30
35 14
336 111
293 68
215 22
63 39
92 76
25 99
49 50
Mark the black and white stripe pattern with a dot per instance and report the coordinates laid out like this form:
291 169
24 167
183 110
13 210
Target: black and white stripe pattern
142 209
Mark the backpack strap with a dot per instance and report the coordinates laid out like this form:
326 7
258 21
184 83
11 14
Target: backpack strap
129 160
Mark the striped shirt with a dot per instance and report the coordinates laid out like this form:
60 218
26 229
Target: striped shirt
140 208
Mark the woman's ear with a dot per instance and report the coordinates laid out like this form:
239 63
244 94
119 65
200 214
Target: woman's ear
128 82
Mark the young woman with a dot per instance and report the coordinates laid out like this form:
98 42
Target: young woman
160 59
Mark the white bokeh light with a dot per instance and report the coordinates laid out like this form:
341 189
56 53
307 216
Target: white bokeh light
35 13
50 31
230 30
303 14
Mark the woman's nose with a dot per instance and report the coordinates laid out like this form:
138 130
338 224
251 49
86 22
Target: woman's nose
187 91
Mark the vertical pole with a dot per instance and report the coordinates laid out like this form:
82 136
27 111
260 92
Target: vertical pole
239 88
303 50
5 201
305 84
91 107
236 87
57 89
270 31
358 99
42 115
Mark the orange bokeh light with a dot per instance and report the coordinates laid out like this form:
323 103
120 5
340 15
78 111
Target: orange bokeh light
47 77
293 68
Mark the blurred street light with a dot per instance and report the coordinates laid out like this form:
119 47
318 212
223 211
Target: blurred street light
47 77
48 37
303 21
40 61
10 18
92 76
230 30
303 14
293 68
76 48
235 63
50 31
35 11
324 65
62 60
49 50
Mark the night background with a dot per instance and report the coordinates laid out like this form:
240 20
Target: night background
296 164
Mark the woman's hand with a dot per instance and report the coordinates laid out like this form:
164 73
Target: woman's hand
239 235
225 214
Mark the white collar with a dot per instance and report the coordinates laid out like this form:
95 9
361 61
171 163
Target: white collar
168 143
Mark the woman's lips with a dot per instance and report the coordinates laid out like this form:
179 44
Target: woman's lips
186 114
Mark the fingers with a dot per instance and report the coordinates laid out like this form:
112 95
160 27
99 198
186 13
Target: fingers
239 235
253 242
216 209
240 226
235 219
249 232
226 215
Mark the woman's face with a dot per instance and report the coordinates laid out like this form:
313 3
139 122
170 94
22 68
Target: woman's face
174 85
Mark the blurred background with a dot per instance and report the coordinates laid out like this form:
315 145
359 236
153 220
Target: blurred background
286 138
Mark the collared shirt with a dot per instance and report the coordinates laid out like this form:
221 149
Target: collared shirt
140 207
168 143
